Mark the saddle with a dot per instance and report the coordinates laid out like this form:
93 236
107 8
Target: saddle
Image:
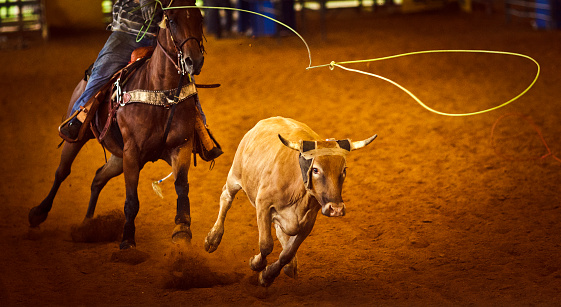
204 142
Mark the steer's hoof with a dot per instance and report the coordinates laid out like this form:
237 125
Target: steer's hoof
213 240
181 233
126 244
36 217
290 270
256 265
263 282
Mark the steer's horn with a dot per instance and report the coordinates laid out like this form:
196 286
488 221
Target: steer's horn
289 144
360 144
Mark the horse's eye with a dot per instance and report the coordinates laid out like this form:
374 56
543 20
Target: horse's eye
315 170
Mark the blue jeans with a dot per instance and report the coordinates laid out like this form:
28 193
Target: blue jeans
113 56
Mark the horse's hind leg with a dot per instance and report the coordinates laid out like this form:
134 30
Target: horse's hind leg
180 163
111 169
38 214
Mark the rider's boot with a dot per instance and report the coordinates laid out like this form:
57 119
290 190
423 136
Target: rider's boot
69 130
209 149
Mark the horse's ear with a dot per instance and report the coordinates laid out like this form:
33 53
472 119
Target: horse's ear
163 23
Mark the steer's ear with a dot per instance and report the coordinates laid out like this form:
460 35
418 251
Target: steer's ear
289 144
344 144
360 144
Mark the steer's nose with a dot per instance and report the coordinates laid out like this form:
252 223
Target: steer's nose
334 209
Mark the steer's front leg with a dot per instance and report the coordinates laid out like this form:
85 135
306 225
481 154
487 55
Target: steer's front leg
267 276
259 261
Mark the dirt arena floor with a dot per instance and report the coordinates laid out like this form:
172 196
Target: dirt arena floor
436 215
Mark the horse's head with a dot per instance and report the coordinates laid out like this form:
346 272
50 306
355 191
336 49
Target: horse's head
183 31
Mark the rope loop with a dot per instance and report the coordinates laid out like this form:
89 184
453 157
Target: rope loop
338 64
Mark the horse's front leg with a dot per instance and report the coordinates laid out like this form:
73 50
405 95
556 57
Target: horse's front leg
180 162
38 214
131 169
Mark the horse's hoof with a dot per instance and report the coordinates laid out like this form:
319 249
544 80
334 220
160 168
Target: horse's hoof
181 233
126 244
36 217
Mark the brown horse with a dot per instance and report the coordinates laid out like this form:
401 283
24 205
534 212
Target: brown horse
143 126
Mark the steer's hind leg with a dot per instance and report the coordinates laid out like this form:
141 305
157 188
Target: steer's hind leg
38 214
180 163
215 235
291 269
111 169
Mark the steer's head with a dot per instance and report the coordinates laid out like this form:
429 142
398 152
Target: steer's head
323 165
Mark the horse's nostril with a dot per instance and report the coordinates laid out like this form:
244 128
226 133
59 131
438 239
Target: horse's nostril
188 61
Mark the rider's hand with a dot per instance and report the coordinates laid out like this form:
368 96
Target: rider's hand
148 8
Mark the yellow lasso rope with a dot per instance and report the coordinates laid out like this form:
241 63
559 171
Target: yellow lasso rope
332 65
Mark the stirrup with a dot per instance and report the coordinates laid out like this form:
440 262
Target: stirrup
68 119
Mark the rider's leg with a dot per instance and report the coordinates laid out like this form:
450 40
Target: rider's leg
210 148
112 57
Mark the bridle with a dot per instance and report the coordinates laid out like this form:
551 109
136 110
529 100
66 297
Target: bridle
181 63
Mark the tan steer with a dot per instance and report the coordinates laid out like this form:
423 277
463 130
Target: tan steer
288 173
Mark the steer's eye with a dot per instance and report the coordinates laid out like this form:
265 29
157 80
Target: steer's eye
315 170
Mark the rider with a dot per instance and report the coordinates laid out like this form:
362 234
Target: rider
130 17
